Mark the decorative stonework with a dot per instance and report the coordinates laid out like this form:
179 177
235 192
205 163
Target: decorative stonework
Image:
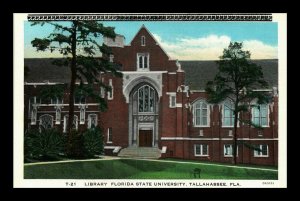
146 118
130 80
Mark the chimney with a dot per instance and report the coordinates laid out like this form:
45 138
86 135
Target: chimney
117 42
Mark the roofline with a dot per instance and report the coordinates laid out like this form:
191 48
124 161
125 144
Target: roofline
157 43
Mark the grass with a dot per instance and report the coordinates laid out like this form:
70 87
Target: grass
227 164
139 169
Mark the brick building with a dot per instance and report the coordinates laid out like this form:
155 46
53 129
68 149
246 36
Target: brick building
158 108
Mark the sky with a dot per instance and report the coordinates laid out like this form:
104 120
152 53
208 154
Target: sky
185 40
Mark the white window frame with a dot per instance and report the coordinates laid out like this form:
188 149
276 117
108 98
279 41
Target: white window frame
65 122
40 119
143 41
143 55
260 117
82 115
90 120
58 115
231 145
260 153
33 116
173 95
109 133
201 150
201 101
110 94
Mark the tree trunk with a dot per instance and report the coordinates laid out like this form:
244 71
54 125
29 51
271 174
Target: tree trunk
72 84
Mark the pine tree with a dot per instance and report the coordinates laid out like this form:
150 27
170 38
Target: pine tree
78 43
236 81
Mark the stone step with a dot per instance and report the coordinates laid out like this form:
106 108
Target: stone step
140 152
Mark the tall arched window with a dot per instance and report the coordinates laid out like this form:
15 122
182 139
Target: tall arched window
228 115
200 113
46 121
146 99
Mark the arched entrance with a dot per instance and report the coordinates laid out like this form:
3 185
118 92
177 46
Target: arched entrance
143 116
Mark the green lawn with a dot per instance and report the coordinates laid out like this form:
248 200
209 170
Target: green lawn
139 169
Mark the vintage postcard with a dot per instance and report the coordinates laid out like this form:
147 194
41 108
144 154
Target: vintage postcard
150 100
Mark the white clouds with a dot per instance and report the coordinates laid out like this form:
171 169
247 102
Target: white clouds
211 47
259 50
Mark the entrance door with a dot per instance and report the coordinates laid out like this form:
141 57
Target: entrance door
145 138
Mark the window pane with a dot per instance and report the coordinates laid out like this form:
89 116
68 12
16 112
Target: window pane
204 112
256 121
173 101
226 121
204 105
264 122
226 112
204 121
264 150
198 149
145 62
140 62
197 121
141 93
151 100
146 100
205 149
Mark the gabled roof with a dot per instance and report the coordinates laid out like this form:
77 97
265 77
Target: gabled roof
157 43
42 69
198 73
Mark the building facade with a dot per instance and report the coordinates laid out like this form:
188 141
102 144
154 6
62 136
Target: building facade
159 103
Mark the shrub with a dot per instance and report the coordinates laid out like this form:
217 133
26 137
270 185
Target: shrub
45 145
93 142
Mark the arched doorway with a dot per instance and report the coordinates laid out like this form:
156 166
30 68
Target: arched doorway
143 116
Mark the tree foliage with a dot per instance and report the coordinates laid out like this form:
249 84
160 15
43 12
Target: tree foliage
77 42
237 80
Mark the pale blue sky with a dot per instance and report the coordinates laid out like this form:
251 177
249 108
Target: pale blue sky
187 40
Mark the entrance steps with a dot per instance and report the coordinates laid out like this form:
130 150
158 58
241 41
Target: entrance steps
140 152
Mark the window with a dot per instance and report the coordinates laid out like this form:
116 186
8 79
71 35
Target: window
92 121
111 58
260 115
143 41
102 92
57 116
143 61
82 115
46 121
75 122
200 113
110 94
228 150
201 150
228 115
109 135
102 89
146 99
33 115
80 100
262 152
172 103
